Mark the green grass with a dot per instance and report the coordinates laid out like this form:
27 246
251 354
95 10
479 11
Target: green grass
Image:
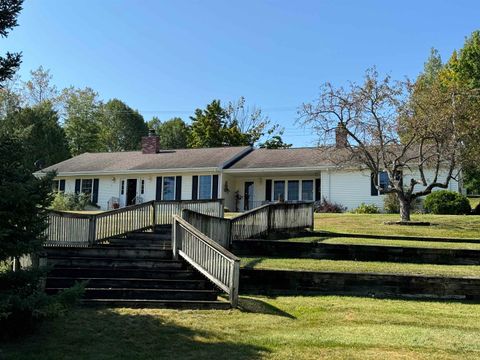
317 327
386 242
361 266
373 224
403 243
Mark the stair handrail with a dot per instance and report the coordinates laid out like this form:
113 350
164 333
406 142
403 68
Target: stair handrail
215 262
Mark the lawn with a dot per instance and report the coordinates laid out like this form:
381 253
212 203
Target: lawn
474 201
386 242
373 224
360 266
317 327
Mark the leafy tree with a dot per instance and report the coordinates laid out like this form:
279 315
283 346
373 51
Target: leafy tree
275 142
173 134
9 10
39 128
121 127
428 137
23 200
40 88
82 120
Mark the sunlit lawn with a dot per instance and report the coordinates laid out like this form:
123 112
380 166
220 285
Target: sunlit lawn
317 327
442 225
360 266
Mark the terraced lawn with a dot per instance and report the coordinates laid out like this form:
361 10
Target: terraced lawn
317 327
455 226
386 242
360 266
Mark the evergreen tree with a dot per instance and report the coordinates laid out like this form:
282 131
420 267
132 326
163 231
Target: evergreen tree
208 127
9 10
173 134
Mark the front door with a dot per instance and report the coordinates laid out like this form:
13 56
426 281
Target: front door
131 191
248 196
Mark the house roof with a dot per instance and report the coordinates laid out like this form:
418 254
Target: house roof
312 157
136 161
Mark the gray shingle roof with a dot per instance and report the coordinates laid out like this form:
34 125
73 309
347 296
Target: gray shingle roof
293 157
136 161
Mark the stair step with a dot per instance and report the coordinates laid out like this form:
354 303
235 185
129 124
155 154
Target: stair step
125 263
99 272
148 244
186 284
107 251
169 304
147 294
149 236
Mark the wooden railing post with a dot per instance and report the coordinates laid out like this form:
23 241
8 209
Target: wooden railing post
269 218
92 222
312 226
154 215
176 238
234 283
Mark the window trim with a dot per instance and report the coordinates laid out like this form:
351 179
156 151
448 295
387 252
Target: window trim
300 188
174 187
81 185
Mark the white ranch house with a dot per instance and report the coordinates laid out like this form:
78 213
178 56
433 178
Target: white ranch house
244 176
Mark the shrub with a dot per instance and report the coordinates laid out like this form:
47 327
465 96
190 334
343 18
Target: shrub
70 202
366 209
326 206
23 303
476 211
447 202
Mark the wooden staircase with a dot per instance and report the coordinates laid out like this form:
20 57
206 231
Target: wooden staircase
137 270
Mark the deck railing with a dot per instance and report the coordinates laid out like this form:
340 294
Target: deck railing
215 262
71 229
270 218
216 228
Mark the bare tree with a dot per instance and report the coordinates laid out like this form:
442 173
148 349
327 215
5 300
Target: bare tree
386 130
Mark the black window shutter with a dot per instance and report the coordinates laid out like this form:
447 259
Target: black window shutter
158 191
373 187
318 190
268 190
194 187
178 188
62 185
95 191
77 186
215 187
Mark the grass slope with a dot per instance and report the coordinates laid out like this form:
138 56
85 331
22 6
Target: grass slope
268 328
444 225
361 266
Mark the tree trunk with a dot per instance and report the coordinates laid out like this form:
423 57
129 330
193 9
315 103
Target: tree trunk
404 209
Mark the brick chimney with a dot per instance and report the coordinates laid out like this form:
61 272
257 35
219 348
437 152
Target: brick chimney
150 143
341 135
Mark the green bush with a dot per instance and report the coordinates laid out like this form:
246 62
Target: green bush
70 202
366 209
24 304
447 202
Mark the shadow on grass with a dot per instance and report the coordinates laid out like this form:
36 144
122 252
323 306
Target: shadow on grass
124 334
252 263
260 307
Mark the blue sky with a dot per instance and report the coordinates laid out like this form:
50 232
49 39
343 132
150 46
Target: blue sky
166 58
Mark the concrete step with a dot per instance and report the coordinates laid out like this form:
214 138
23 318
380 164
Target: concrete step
111 252
168 304
138 283
146 294
114 263
108 272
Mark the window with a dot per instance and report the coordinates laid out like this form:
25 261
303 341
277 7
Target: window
86 187
169 188
293 190
55 185
122 190
142 187
204 187
307 190
278 190
383 181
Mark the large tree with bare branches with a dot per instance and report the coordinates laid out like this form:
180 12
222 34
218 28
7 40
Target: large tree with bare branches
416 140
